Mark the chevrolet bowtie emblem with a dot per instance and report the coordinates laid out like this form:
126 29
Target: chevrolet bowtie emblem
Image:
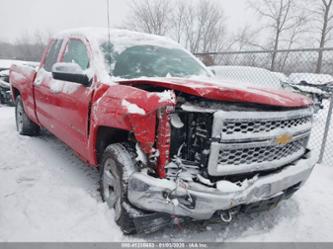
283 139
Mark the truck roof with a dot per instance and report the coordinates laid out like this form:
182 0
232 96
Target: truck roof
120 38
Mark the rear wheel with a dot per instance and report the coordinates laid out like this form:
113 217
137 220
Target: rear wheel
116 166
23 124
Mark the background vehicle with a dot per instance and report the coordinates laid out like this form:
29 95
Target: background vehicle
254 76
5 96
316 86
169 140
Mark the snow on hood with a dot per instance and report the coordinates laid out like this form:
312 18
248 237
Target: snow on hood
227 91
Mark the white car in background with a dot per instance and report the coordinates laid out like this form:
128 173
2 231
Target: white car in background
254 76
5 97
316 86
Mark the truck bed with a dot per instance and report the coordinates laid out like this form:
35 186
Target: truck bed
21 78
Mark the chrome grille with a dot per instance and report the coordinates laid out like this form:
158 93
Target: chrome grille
249 141
263 126
257 155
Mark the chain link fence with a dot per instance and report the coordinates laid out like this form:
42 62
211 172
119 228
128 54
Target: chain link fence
306 71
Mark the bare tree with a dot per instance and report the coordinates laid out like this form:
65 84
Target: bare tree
246 39
26 47
197 24
322 16
282 17
203 25
178 20
294 37
150 16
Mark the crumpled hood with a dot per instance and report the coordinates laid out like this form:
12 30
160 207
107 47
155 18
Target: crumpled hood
226 91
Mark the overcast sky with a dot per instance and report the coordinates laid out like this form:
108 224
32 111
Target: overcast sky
20 17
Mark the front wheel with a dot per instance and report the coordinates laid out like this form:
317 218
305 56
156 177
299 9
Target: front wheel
23 124
116 166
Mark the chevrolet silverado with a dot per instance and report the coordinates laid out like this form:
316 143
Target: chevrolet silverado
171 143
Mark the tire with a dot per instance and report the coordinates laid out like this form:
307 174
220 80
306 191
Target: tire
24 125
117 165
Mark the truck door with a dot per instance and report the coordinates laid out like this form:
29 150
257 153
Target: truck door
74 99
68 102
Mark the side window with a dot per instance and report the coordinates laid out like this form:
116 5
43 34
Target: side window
76 51
52 55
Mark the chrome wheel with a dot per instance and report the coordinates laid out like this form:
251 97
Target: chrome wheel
112 187
19 117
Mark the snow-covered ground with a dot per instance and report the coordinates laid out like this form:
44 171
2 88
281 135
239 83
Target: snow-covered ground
48 194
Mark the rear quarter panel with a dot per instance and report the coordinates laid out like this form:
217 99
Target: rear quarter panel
21 78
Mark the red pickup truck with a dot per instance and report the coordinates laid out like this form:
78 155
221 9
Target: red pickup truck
171 143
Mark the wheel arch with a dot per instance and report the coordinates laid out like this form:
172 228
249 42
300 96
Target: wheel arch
15 93
106 136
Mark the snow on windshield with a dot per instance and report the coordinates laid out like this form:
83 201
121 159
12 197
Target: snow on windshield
151 61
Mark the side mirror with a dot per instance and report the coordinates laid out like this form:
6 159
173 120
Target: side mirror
213 71
71 72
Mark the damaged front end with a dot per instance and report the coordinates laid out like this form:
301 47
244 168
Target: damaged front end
216 159
202 202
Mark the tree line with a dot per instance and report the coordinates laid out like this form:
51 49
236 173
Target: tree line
201 26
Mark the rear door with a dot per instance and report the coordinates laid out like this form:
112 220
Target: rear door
44 107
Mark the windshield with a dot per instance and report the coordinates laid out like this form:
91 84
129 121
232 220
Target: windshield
152 61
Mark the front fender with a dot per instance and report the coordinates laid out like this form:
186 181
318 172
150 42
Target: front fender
129 108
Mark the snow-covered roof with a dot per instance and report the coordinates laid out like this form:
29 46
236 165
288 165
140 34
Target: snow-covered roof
120 38
311 78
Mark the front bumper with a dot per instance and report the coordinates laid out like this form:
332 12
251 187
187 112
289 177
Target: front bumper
201 202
